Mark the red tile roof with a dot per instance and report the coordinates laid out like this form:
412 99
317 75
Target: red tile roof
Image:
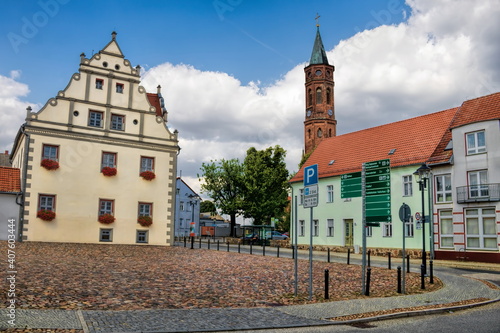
10 180
414 141
471 111
154 100
478 109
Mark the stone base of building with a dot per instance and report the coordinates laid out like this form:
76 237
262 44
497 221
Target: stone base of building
490 257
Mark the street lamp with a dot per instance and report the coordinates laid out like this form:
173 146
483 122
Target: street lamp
423 174
193 202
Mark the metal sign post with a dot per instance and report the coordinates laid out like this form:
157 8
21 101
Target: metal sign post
404 216
310 201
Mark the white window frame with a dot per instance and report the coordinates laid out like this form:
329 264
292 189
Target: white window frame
46 202
50 152
445 215
145 209
301 196
478 184
387 229
302 228
409 227
369 231
106 206
117 122
444 190
407 186
474 144
481 236
108 160
315 230
142 236
96 118
147 163
108 233
330 227
329 193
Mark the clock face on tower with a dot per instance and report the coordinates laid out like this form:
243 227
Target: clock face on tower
318 72
308 112
330 112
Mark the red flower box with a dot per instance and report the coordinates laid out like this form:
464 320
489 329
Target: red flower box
50 164
148 175
106 218
108 171
145 221
46 215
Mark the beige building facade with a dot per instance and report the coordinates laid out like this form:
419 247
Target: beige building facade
98 161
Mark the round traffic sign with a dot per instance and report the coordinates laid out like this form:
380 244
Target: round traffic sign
417 216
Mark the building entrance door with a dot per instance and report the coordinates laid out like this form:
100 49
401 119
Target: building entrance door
349 231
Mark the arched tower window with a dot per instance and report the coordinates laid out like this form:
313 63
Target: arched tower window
309 133
320 133
309 97
319 99
330 133
328 96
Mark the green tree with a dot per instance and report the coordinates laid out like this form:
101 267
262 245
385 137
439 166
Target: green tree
265 192
223 182
207 206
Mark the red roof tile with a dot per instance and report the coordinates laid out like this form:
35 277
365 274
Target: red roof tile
154 100
10 180
478 109
414 139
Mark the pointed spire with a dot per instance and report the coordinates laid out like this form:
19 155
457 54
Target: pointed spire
318 55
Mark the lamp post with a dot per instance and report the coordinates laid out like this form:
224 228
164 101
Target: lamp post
422 174
193 202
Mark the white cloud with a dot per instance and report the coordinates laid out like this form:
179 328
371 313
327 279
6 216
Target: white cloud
12 108
443 55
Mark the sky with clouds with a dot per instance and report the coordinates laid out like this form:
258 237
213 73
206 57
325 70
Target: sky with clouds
231 71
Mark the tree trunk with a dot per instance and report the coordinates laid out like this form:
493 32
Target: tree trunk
233 224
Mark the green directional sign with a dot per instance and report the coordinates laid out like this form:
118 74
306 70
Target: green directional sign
378 192
350 185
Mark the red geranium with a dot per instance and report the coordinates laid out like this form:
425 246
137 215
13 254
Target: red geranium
106 218
109 171
46 215
145 221
148 175
50 164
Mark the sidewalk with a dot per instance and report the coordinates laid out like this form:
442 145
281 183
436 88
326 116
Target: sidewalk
456 288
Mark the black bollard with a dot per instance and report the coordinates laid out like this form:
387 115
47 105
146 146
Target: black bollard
368 275
208 243
369 253
250 248
422 276
278 252
327 280
389 257
200 243
431 271
328 255
293 251
239 248
184 241
399 279
227 246
408 263
192 242
218 244
348 256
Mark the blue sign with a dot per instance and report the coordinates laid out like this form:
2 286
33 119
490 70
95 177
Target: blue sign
311 175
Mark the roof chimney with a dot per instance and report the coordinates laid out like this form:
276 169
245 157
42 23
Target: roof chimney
158 89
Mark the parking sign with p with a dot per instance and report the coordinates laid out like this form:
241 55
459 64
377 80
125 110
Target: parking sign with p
311 175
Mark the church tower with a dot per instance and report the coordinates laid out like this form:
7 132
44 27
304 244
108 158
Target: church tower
320 120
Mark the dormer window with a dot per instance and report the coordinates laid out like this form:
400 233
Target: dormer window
119 88
99 83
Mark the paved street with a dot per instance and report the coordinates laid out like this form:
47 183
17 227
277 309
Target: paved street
459 284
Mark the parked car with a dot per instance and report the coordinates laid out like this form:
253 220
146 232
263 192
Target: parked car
277 235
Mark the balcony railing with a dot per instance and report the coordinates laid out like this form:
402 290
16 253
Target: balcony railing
478 193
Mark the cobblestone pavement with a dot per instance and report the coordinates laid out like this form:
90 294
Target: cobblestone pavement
456 288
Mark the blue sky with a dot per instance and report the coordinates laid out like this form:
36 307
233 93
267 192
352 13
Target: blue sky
251 40
243 60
